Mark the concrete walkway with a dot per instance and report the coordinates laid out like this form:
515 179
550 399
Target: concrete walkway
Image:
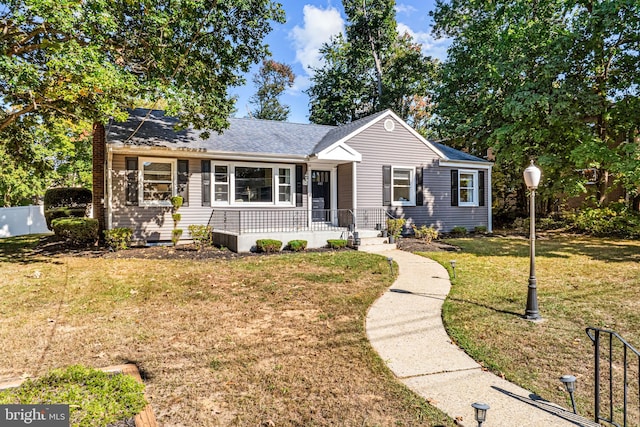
405 328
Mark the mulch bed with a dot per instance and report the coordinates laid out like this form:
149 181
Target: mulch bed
51 246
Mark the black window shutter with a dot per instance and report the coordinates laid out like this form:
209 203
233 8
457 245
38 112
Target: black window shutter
481 188
206 182
419 190
183 181
386 185
299 189
131 164
454 187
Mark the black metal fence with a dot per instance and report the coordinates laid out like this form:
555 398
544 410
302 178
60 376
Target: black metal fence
617 378
262 221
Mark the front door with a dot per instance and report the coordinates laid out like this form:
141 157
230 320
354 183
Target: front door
320 196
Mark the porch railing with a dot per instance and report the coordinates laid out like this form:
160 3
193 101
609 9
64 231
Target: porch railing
617 378
262 221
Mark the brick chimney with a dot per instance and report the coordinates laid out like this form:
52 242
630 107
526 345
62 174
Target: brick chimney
99 166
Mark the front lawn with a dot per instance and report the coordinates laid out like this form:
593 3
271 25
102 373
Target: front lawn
263 340
581 282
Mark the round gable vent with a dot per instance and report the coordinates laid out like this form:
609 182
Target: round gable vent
389 125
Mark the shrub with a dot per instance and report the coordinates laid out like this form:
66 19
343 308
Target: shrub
66 202
425 233
176 217
176 233
480 229
395 226
459 230
118 238
337 243
176 202
613 220
297 245
201 235
268 245
77 231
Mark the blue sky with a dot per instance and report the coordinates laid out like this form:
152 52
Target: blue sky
311 23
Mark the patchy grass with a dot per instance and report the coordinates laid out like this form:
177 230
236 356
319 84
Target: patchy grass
581 282
95 398
251 341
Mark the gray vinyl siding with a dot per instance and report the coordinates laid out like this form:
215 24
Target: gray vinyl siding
401 148
345 186
154 223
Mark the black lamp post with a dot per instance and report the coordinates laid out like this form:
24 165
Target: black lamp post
532 179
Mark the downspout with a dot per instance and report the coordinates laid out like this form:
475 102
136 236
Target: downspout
309 202
489 202
109 188
354 189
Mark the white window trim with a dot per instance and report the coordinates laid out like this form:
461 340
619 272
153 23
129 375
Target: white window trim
412 184
476 186
213 184
174 180
275 184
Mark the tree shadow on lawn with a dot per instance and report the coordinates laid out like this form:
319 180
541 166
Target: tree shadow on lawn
557 246
31 249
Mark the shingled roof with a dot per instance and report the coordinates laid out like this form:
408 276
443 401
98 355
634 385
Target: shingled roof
151 128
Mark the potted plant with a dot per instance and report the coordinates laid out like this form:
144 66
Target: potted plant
394 228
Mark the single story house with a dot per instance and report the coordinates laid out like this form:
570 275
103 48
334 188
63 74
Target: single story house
270 179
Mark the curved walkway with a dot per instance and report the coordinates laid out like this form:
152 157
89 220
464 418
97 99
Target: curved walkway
405 328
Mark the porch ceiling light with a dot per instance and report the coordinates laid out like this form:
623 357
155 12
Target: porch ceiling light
480 412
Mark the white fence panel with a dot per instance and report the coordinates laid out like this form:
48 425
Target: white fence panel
22 220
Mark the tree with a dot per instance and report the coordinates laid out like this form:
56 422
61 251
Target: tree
547 80
90 60
272 80
371 68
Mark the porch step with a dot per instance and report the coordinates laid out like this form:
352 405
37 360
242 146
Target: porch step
375 244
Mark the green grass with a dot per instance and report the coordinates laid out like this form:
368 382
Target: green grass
581 282
95 398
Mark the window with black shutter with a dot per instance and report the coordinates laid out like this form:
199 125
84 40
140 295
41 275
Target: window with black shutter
183 181
454 187
131 190
419 187
386 185
299 189
481 188
206 182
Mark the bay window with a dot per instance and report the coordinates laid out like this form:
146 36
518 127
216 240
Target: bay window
244 183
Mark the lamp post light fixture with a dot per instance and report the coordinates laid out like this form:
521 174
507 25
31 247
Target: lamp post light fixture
569 382
453 267
532 179
390 261
480 412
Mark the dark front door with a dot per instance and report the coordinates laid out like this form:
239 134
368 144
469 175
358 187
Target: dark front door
320 195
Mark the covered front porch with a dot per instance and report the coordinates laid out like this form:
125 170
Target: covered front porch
238 229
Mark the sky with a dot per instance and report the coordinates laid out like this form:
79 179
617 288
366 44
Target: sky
311 23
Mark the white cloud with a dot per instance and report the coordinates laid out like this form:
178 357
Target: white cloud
318 28
405 8
436 48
